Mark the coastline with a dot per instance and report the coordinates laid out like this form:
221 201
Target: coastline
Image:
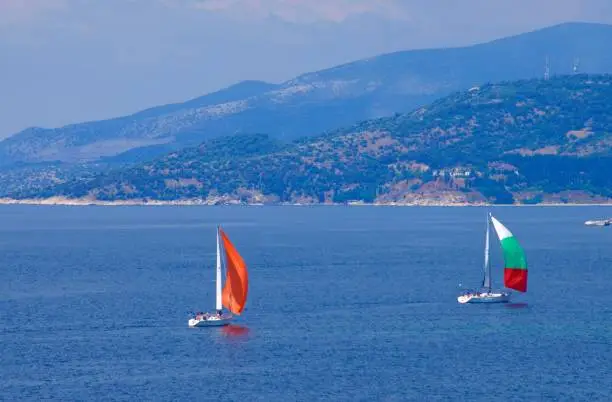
63 201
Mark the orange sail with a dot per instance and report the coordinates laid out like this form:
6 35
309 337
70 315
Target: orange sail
236 280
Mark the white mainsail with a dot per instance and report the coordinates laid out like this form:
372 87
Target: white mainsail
486 282
218 304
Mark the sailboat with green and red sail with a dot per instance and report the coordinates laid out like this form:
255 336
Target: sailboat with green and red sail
515 268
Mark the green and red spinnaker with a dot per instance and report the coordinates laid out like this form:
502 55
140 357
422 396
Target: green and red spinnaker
515 264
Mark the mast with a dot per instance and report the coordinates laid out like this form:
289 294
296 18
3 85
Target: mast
219 306
486 281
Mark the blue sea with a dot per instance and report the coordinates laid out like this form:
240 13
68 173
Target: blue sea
345 304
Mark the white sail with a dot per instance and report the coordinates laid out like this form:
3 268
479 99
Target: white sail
486 282
219 304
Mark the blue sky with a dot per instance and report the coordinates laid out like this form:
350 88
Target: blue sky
67 61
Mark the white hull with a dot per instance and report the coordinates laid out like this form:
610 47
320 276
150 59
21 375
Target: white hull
213 321
605 222
492 297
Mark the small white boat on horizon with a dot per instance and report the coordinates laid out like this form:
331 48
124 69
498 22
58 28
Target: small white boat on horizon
515 268
233 295
598 222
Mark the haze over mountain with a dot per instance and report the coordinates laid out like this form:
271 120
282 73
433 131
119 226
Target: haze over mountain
319 101
67 61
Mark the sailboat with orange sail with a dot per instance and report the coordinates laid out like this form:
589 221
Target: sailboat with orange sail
233 295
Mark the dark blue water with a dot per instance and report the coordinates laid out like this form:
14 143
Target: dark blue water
345 304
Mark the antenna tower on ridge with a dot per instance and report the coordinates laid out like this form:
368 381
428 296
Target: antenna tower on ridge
576 65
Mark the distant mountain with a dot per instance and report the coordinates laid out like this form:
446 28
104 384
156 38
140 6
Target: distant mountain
526 141
319 101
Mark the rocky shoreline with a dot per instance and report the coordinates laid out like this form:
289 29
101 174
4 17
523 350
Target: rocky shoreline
63 201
